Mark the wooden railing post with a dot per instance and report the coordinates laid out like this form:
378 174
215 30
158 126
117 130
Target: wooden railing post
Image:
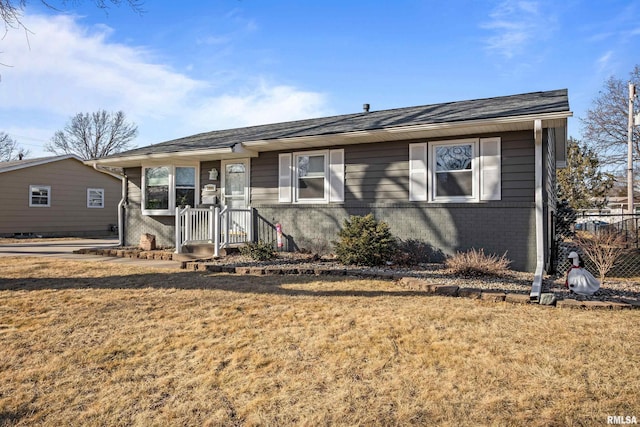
216 232
187 224
178 232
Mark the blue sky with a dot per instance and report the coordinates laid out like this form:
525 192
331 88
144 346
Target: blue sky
186 67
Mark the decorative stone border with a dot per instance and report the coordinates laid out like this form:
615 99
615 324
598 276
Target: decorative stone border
416 284
412 283
127 253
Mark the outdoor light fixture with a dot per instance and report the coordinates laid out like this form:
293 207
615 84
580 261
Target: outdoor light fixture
213 174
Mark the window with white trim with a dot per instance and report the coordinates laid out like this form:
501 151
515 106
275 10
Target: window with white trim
311 177
167 186
95 197
39 196
454 171
465 170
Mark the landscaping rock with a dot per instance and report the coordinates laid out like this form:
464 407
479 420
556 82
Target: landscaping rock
517 298
495 296
548 299
472 293
148 242
570 303
446 290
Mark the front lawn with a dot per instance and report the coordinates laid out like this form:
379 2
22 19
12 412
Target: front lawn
103 344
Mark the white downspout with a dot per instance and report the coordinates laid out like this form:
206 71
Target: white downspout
121 211
536 287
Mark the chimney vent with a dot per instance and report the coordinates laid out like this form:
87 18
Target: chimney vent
365 107
20 156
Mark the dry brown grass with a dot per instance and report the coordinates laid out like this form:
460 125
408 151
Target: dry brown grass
100 344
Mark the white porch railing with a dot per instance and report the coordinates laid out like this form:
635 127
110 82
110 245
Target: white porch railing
220 227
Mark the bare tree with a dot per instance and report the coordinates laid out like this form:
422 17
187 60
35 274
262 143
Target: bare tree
604 248
11 10
94 135
9 148
605 126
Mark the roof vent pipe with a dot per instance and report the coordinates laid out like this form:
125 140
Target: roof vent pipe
365 107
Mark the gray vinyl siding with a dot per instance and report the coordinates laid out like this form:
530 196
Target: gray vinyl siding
134 186
68 214
379 172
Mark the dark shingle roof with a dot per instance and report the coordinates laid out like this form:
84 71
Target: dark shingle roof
479 109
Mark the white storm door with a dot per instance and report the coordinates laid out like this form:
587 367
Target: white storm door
235 183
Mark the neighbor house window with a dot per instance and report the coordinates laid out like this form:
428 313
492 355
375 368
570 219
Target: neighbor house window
95 197
40 196
466 170
311 177
165 187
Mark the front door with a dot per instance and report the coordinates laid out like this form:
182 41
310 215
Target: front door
235 195
235 183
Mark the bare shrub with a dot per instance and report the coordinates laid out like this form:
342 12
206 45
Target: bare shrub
259 251
603 248
475 263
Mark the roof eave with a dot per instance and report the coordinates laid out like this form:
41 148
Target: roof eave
431 130
173 156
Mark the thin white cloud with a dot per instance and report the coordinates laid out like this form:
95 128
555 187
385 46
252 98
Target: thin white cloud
65 68
263 104
604 61
514 24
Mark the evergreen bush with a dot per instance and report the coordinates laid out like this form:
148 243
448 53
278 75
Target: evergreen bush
365 241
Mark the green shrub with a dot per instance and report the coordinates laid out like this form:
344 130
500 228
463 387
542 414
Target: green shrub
474 263
259 251
364 241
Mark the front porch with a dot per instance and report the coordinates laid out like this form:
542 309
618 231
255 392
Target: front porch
212 229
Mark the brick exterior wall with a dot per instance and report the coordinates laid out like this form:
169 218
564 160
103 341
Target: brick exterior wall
446 227
449 228
163 227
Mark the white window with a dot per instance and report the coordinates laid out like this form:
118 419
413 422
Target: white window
453 171
466 170
40 196
311 177
165 187
95 197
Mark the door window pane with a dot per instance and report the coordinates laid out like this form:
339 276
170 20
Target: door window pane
234 179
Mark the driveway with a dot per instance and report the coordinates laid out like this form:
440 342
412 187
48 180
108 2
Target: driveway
63 249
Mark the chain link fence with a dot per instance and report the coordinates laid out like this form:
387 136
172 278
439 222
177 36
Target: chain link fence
574 228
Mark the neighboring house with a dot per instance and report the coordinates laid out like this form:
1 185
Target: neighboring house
57 196
458 175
